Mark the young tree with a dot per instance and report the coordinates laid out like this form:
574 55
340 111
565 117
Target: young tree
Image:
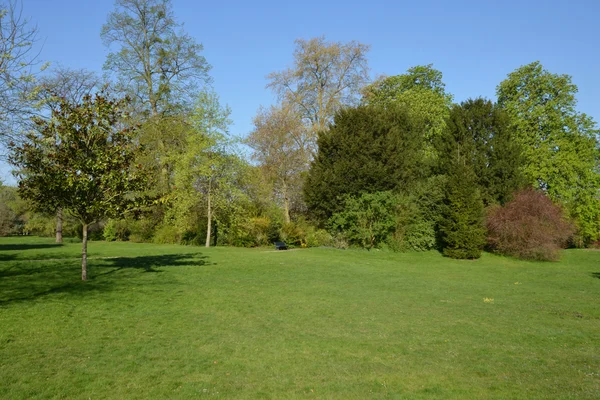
65 84
81 161
156 63
559 144
325 77
279 142
208 170
461 225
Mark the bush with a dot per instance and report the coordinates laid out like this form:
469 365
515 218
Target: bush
116 230
167 234
530 227
368 220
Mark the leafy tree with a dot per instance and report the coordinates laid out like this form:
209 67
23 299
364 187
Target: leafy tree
279 144
70 85
480 133
88 171
325 77
421 90
467 157
559 144
208 170
367 149
156 63
461 225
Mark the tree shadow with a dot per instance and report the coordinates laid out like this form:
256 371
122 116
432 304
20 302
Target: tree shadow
595 275
9 247
149 263
22 280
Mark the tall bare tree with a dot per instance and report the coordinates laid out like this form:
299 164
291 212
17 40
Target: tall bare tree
281 147
155 62
18 59
325 76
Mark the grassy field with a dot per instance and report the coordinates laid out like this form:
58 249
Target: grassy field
180 322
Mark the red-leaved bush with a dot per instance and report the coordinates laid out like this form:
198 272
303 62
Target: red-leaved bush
529 227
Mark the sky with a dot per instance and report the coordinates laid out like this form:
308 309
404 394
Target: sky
474 43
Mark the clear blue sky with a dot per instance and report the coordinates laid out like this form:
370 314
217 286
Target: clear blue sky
475 43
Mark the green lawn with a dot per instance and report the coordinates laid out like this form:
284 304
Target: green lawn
180 322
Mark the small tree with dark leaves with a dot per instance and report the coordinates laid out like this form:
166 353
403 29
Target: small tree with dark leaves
82 160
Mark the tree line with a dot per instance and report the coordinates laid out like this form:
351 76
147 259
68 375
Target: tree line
145 154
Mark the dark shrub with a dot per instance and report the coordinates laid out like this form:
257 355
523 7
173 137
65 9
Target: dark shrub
529 227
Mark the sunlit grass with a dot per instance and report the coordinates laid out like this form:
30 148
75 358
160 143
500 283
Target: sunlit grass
180 322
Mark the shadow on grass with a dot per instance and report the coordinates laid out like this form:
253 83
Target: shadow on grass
8 247
149 263
595 275
22 280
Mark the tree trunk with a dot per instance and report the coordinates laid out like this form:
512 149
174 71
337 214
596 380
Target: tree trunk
84 254
286 204
59 225
209 220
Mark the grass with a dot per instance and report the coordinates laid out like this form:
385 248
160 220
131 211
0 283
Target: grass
181 322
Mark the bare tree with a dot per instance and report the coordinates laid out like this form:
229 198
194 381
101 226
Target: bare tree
325 76
17 76
282 148
156 63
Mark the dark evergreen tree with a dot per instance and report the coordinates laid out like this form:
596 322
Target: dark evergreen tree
479 131
367 149
461 227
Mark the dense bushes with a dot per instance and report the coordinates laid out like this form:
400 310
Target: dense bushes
528 227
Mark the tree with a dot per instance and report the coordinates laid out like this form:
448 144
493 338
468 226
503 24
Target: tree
368 149
89 171
208 170
65 84
279 144
325 77
559 144
479 132
17 77
461 225
157 63
421 90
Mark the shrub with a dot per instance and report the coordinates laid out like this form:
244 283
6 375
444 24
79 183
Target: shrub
529 227
368 220
167 234
116 230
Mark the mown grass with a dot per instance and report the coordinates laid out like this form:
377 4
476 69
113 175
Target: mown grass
181 322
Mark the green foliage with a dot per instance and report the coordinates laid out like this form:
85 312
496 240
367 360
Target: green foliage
367 220
81 161
367 149
461 225
116 229
421 91
167 234
479 133
560 145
